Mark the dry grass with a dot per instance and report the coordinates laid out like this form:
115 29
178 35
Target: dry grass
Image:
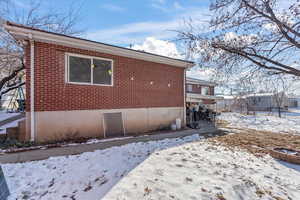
222 123
258 142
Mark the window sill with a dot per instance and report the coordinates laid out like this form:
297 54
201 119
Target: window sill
89 84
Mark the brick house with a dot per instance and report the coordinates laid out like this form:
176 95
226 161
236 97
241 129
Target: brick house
81 88
201 92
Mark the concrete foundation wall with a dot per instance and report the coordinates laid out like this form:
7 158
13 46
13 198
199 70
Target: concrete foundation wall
61 125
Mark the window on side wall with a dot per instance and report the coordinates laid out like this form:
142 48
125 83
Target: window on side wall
190 88
204 90
89 70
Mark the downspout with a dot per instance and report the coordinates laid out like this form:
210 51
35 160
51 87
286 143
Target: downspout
32 114
184 98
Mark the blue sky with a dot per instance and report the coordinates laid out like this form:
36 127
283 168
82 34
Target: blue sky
124 22
148 25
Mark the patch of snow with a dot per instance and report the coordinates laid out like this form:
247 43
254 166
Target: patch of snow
202 171
94 141
289 123
290 165
179 168
86 176
10 125
4 115
286 151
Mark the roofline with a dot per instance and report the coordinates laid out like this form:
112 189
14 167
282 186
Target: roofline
29 33
199 81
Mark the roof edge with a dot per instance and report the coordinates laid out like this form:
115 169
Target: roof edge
24 32
199 81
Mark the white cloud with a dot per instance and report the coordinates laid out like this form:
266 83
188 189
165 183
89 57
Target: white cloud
165 6
160 47
177 5
133 33
20 4
160 1
169 49
112 7
201 73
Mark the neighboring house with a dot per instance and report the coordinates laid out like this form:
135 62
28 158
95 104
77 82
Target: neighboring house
294 101
254 102
226 103
201 92
267 101
83 88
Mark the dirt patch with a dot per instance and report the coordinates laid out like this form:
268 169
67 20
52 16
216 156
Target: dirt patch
259 142
222 123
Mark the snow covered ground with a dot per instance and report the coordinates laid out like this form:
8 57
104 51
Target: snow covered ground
289 123
9 125
187 168
4 115
85 176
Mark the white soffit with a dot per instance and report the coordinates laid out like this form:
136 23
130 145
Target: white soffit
42 36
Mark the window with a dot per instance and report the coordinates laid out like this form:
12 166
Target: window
79 70
189 88
204 90
89 70
102 72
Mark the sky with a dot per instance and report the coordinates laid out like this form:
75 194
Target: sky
129 22
148 24
125 22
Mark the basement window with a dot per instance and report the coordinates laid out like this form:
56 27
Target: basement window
89 70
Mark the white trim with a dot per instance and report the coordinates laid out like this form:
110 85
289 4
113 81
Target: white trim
200 82
207 89
67 69
22 33
200 96
124 132
32 117
184 98
104 128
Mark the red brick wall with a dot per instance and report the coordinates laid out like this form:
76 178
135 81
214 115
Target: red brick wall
53 94
197 89
208 101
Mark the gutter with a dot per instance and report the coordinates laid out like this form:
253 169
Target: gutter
48 37
27 36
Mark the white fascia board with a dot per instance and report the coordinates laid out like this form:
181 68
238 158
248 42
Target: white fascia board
203 83
19 32
200 96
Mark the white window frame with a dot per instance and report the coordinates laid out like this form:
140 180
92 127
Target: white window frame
67 69
189 88
202 90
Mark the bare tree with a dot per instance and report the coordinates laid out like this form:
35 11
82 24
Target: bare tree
11 51
255 35
280 86
246 86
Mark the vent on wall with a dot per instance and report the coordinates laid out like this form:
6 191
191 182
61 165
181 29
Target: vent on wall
113 124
